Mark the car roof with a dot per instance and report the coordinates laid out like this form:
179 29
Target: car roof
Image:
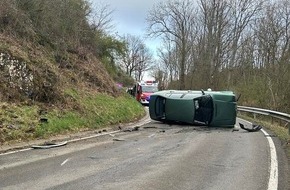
190 94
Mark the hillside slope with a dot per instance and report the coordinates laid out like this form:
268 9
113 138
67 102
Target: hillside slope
51 78
30 71
72 95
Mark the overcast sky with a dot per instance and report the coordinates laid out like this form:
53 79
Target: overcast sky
129 17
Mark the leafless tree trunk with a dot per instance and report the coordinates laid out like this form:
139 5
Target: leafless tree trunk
167 57
273 37
174 19
214 19
144 61
242 14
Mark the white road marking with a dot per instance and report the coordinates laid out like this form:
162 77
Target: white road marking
151 135
273 169
63 163
15 151
273 178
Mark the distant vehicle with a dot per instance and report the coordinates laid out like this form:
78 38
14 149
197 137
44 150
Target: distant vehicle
211 108
143 90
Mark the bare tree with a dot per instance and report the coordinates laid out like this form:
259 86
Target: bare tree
101 18
160 74
143 63
173 19
137 58
243 13
214 19
273 37
168 58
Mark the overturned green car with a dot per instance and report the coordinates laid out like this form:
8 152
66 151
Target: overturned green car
211 108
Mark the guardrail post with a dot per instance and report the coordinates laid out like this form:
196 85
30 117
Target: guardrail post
272 120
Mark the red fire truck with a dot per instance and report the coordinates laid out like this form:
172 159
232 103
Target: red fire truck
142 91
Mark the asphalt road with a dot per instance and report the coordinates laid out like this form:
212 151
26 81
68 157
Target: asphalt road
157 156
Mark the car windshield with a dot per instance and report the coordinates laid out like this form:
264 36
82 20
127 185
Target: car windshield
149 89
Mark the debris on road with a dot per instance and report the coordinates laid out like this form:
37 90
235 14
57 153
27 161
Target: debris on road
47 145
254 128
118 139
136 128
150 127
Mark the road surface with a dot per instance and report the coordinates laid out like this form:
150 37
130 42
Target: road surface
157 156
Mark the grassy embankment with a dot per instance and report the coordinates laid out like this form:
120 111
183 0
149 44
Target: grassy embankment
91 111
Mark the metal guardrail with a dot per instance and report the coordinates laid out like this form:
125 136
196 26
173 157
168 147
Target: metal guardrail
275 114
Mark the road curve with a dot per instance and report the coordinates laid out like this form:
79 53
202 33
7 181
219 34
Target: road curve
157 156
